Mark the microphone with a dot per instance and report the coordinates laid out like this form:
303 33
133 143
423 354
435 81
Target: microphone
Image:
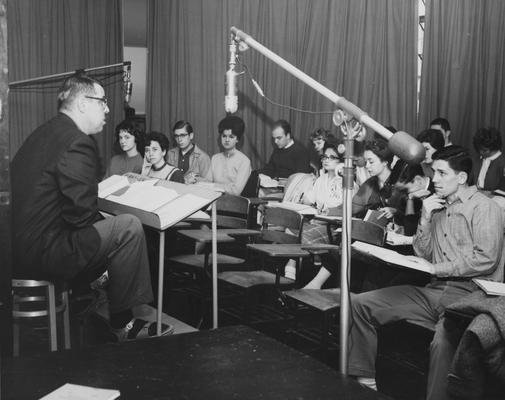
406 147
128 91
128 84
231 98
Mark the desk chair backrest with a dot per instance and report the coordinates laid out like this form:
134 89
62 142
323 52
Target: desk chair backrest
232 211
368 232
252 186
281 225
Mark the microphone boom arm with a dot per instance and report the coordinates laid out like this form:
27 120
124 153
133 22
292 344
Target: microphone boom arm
400 143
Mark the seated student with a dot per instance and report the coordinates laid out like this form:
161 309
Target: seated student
156 166
326 192
373 194
432 140
442 125
489 174
129 138
415 186
231 168
456 246
318 138
289 157
187 156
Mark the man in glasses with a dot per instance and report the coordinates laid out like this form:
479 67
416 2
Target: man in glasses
58 231
187 156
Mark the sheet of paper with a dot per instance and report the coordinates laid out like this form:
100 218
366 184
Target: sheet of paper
491 287
180 208
70 391
397 239
391 256
145 197
112 184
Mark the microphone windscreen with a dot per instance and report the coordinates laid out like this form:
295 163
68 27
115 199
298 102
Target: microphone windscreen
406 147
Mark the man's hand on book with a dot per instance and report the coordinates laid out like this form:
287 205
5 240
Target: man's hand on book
425 264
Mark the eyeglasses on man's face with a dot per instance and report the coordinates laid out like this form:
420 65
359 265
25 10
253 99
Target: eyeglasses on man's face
103 99
330 157
180 135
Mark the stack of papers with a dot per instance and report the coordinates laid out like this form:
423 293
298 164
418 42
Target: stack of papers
267 182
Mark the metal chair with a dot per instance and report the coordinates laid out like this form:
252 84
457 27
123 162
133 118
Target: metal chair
32 299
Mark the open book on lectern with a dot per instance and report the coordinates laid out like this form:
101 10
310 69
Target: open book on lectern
157 203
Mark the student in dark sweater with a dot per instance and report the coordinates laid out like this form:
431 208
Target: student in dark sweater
289 157
490 170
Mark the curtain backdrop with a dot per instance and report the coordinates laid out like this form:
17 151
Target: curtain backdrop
463 67
49 37
362 50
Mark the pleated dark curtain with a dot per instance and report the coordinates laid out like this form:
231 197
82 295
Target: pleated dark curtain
463 76
362 50
47 37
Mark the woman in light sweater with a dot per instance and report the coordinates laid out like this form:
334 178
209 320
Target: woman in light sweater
230 169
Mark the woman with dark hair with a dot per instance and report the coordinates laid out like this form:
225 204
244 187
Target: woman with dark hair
373 194
318 138
156 167
231 168
129 138
489 174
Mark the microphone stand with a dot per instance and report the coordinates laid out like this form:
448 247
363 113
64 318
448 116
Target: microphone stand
398 142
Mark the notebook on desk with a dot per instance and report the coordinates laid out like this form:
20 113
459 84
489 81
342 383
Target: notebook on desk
376 217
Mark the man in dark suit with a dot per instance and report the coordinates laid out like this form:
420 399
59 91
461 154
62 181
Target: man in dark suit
58 233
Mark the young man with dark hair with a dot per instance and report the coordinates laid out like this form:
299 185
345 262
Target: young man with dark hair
443 126
489 174
58 231
289 157
187 156
456 246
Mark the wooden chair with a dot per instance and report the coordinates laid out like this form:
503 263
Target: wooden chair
280 226
327 301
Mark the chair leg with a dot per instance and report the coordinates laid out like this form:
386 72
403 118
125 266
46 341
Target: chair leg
15 330
51 303
325 333
66 318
